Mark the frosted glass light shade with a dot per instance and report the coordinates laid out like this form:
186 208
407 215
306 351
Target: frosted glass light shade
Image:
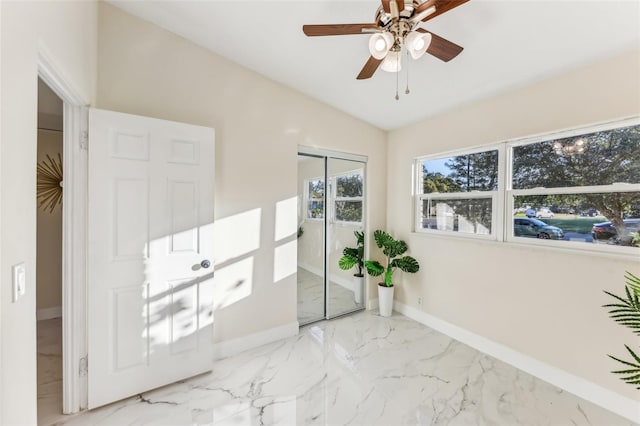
417 43
379 44
392 62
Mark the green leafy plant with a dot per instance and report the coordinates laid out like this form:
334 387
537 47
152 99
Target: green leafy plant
392 249
627 313
354 256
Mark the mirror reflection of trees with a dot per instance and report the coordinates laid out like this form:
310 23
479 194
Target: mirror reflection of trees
315 209
348 187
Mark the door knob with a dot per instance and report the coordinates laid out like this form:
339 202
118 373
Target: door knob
205 263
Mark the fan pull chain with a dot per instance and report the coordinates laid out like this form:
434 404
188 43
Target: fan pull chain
407 91
397 96
398 56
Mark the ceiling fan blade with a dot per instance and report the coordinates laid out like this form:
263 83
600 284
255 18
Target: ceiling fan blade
442 6
336 29
385 6
400 4
442 48
369 68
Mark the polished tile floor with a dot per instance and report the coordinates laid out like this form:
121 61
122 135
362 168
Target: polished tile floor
356 370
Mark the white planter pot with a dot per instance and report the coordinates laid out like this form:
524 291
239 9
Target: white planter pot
385 300
358 286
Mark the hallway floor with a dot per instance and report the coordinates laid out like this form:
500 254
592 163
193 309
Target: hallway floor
356 370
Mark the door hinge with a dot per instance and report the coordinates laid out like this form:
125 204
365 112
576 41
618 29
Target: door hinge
84 366
84 140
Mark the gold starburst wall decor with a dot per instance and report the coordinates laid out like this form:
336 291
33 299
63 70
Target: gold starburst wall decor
49 183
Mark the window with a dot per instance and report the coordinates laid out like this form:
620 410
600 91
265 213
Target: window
348 197
583 188
575 189
315 198
458 193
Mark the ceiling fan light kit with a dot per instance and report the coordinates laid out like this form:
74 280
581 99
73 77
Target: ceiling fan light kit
418 43
397 29
392 62
380 44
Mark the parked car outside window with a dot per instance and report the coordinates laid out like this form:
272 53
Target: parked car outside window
531 212
607 232
534 228
544 213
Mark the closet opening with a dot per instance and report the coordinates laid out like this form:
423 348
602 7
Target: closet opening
331 217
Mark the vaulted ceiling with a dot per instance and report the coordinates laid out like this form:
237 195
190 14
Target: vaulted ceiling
507 44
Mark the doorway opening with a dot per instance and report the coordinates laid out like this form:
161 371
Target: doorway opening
49 250
331 218
73 156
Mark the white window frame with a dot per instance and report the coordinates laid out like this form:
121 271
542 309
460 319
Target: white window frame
594 189
334 195
503 204
497 196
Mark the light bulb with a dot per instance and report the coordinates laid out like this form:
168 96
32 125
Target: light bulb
391 62
379 44
417 43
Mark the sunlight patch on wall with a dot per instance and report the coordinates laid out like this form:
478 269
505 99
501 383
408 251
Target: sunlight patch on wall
233 283
237 235
286 218
285 261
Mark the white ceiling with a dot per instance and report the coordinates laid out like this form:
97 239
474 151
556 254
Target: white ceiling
508 43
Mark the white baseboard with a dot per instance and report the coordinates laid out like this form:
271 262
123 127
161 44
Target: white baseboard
49 313
576 385
231 347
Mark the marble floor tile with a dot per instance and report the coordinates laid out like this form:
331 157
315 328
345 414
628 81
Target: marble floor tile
362 369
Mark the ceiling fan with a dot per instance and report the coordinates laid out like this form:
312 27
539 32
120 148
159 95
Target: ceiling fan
396 27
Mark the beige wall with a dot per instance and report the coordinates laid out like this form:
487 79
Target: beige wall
49 234
259 124
551 311
67 32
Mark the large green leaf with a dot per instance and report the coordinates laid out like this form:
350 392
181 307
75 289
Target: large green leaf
627 312
374 268
406 264
350 251
382 239
347 262
633 282
629 375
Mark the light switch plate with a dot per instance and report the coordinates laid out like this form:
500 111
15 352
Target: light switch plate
18 281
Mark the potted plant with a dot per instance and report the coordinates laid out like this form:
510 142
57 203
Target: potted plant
393 249
355 257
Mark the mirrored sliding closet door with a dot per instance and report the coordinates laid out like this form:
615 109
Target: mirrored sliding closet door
331 218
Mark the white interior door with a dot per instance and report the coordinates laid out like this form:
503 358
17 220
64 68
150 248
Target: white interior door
150 232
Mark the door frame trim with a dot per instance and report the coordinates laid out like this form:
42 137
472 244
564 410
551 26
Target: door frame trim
74 225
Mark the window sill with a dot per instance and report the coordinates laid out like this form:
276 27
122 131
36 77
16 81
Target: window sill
574 250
